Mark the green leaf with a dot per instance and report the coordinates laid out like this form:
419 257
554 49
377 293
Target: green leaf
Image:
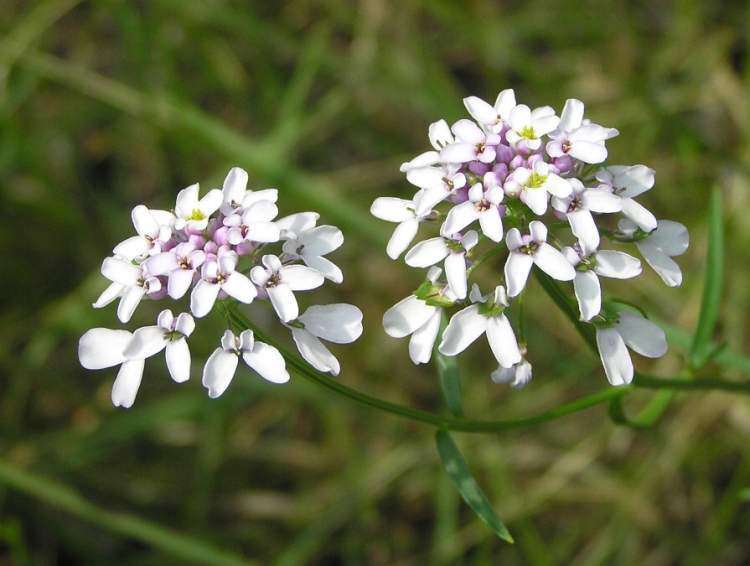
711 302
456 468
450 382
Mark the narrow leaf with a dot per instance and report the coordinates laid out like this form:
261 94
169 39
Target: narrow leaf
711 302
450 383
456 468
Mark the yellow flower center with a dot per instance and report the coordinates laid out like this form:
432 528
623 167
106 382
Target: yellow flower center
197 214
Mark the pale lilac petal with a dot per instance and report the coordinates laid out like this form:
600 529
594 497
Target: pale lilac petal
584 228
234 188
463 329
211 202
340 323
459 217
615 356
162 263
598 200
130 300
268 362
239 287
265 232
455 273
327 268
467 131
219 371
492 224
146 342
423 340
513 239
480 110
645 220
571 115
670 237
458 153
406 316
588 152
505 103
101 348
535 199
392 209
145 224
127 383
133 247
301 277
179 282
665 266
588 293
178 360
618 265
119 271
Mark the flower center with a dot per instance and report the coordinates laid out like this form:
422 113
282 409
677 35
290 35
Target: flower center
527 132
566 145
197 214
184 263
530 248
274 280
483 205
575 204
536 181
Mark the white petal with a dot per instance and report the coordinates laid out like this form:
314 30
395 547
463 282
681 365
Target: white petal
572 115
133 247
423 340
584 228
520 117
261 211
670 237
112 292
127 383
298 223
636 179
267 362
185 324
458 153
340 323
129 301
638 214
316 354
146 342
588 152
463 329
266 232
239 287
101 348
322 240
492 224
327 268
553 263
618 265
145 224
234 187
203 297
178 360
179 282
480 110
502 341
401 238
425 177
187 200
211 202
119 271
505 103
455 272
392 209
406 316
600 200
219 371
440 134
468 131
665 266
427 252
459 217
556 185
517 269
513 239
162 263
535 199
301 277
589 294
642 335
283 301
615 356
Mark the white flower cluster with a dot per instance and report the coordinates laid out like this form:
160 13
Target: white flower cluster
539 190
218 245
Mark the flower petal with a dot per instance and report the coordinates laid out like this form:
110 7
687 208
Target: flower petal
459 217
670 237
588 152
179 282
615 356
427 252
455 273
267 362
553 263
406 316
119 271
127 383
584 228
392 209
618 265
101 348
502 341
639 214
401 238
340 323
589 294
423 340
517 268
301 277
492 224
239 287
283 301
129 301
133 247
203 297
219 371
642 335
178 360
146 342
315 352
665 266
463 329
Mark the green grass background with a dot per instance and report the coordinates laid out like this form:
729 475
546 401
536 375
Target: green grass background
107 104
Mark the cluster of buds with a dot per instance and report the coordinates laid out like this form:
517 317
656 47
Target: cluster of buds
217 248
538 188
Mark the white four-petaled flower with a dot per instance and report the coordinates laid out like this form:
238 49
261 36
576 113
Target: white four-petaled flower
220 275
534 186
453 250
280 281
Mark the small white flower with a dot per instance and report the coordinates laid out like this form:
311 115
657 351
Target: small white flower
492 118
483 205
628 182
517 376
404 212
280 281
531 249
471 144
486 315
338 323
668 240
234 193
577 137
414 316
101 348
312 244
578 206
533 186
253 223
440 135
607 263
295 224
151 235
438 184
170 333
453 250
530 125
180 264
221 365
134 281
220 275
193 214
633 331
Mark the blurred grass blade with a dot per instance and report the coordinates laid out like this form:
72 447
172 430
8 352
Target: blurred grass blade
711 302
568 306
647 417
181 546
450 381
467 486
